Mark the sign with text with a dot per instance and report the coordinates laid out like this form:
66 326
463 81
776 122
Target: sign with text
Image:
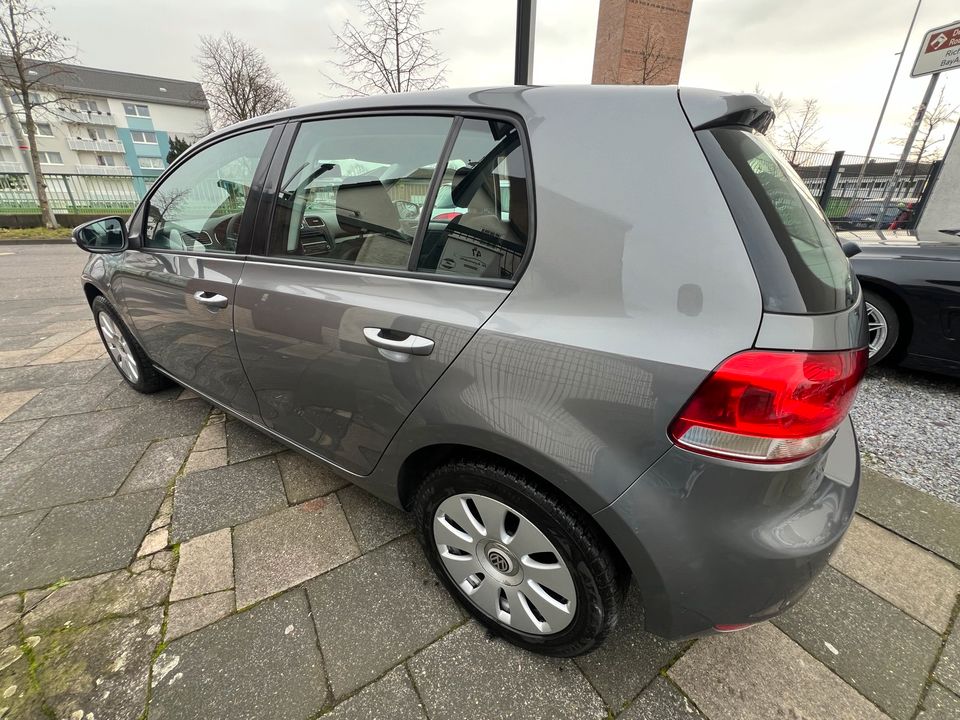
939 51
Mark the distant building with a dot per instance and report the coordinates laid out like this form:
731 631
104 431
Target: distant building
640 41
103 123
876 175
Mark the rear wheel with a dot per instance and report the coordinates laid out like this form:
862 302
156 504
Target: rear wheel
883 326
522 563
127 355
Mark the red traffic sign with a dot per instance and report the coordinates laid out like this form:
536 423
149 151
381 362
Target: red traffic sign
939 51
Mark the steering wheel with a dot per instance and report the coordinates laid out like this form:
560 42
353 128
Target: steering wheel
232 233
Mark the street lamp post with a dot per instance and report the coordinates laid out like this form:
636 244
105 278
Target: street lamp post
523 58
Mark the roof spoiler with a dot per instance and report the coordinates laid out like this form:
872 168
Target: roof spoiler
711 108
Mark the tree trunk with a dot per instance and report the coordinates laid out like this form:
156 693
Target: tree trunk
47 217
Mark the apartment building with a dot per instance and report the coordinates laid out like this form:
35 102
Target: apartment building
103 135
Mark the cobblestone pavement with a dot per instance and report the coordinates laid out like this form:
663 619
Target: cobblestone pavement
158 559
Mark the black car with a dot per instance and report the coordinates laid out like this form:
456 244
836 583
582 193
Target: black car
911 284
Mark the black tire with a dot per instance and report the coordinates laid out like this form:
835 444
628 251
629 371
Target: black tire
882 306
147 380
598 579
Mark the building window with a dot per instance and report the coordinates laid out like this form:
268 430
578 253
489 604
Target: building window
136 110
143 137
35 98
106 161
96 133
44 129
50 158
151 163
88 105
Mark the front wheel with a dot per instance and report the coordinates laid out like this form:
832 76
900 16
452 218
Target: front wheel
125 352
525 565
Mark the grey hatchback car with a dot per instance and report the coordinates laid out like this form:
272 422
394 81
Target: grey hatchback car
630 353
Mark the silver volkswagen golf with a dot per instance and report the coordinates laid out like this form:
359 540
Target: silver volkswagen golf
628 348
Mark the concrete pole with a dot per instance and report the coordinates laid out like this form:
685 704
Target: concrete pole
526 27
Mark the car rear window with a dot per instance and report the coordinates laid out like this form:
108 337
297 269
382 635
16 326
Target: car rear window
795 253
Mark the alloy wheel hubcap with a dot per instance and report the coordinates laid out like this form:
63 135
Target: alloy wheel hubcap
117 346
504 565
876 329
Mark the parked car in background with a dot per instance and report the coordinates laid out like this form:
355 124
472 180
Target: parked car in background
642 364
863 214
911 284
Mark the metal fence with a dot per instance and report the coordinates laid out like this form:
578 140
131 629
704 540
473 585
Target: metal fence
851 193
74 194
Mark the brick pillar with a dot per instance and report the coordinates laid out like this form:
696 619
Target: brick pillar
640 41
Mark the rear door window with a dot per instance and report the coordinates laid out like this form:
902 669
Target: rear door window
816 270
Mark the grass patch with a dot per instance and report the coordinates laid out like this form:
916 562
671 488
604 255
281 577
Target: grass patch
34 233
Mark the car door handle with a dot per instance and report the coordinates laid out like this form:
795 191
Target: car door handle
399 342
210 299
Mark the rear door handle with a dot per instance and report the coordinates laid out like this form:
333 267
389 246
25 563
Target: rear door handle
400 342
210 299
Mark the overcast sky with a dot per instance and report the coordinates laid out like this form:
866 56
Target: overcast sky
841 52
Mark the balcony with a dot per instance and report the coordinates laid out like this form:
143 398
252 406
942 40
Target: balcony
103 170
11 167
6 140
110 146
80 117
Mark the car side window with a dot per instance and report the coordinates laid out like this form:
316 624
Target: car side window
353 189
479 223
197 208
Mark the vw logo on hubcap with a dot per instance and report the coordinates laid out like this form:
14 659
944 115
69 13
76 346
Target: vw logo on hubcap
499 561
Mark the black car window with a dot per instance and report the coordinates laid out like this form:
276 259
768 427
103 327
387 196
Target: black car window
197 208
353 189
479 224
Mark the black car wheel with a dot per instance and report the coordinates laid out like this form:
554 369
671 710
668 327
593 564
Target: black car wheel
883 326
126 353
525 565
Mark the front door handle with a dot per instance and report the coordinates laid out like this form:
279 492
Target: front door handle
397 341
210 299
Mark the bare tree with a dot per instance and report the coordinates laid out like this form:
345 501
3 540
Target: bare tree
391 53
802 127
653 62
939 114
33 54
237 80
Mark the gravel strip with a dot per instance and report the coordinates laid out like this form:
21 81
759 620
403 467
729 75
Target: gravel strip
908 424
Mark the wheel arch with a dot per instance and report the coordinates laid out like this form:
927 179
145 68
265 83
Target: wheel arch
92 292
889 292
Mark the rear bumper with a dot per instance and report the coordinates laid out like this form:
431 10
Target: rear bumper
712 542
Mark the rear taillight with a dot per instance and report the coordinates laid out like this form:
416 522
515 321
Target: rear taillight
447 216
769 406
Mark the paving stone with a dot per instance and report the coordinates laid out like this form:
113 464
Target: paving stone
74 477
101 670
661 701
19 697
629 659
13 434
305 479
155 541
167 420
472 676
206 460
62 400
9 610
161 561
373 521
187 394
920 583
226 496
55 356
158 466
855 633
762 673
211 437
940 704
14 530
392 697
19 358
245 443
125 396
41 376
76 434
283 549
186 616
928 522
71 541
84 602
10 402
948 669
205 566
377 610
263 663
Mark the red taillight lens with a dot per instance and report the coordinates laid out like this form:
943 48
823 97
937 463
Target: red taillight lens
447 217
770 406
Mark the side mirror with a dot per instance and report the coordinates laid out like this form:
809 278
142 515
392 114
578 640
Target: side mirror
407 210
106 235
850 248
